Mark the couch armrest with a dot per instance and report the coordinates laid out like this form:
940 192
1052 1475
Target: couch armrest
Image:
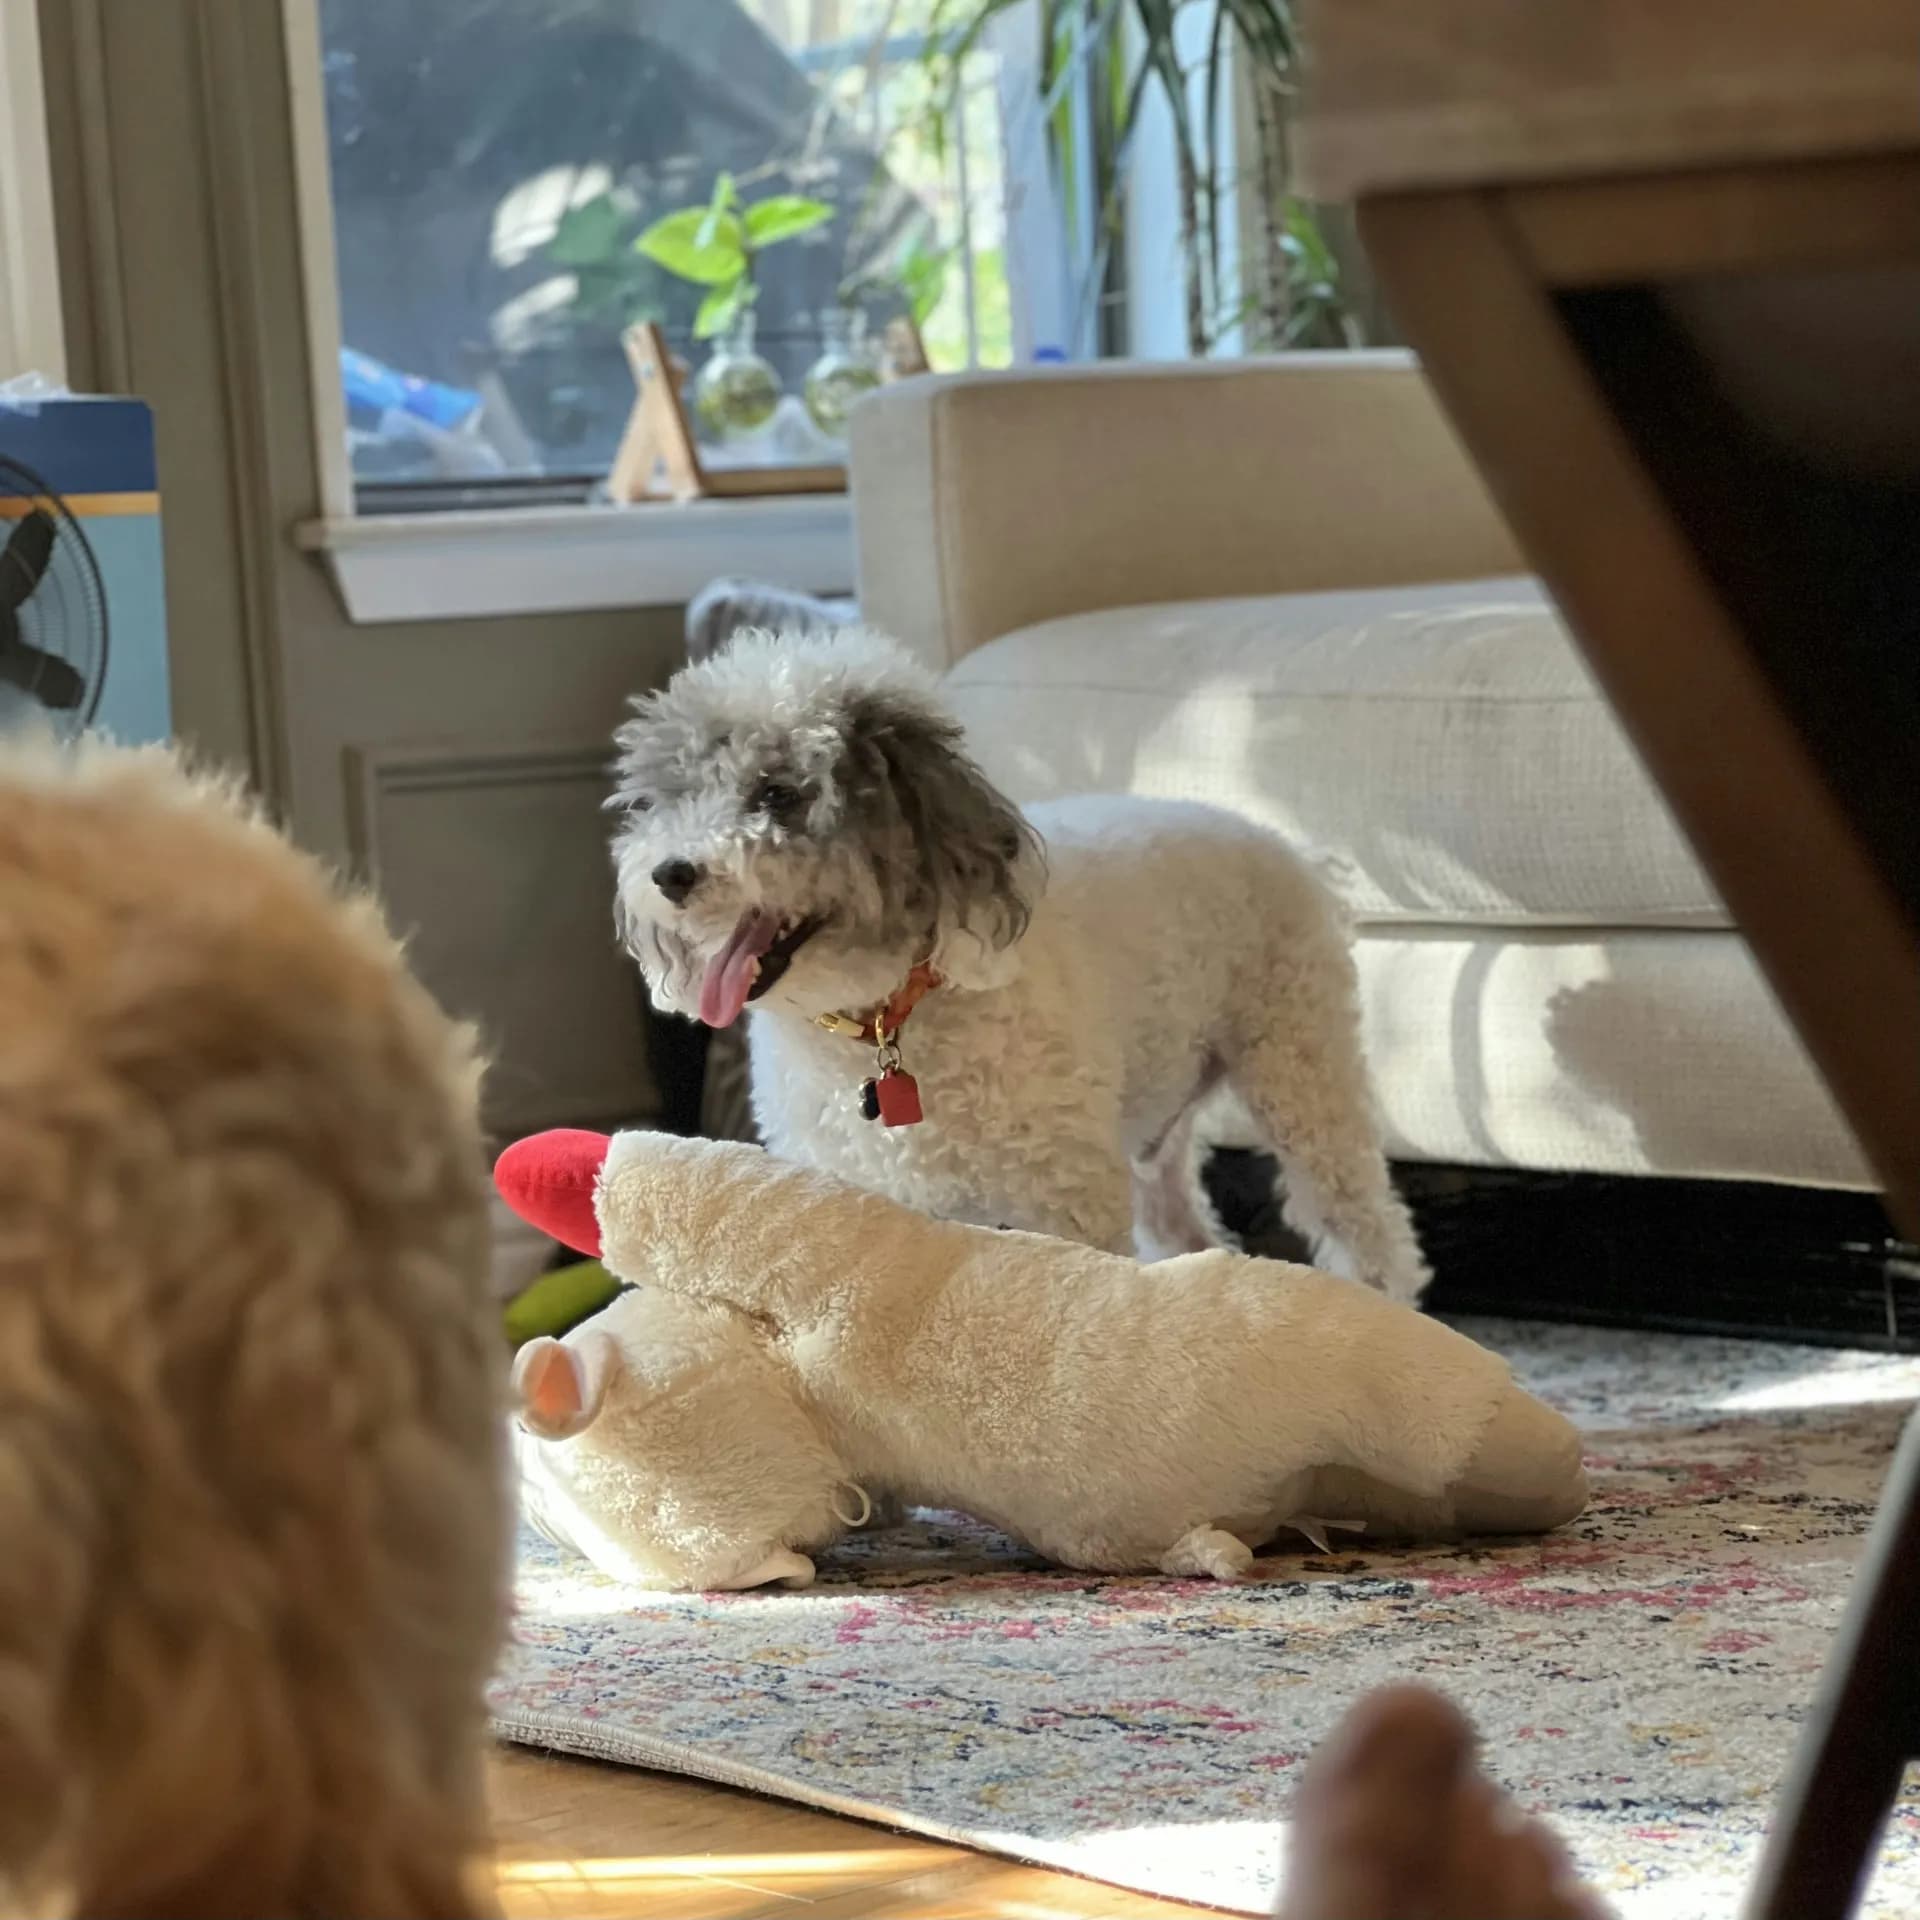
987 502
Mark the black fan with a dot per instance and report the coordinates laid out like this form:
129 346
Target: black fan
53 608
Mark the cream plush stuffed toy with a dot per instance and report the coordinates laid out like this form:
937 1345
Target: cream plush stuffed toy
793 1348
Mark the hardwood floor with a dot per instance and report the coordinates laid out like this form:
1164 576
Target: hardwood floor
582 1841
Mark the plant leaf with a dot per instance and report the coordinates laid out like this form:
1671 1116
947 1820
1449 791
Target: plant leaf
923 279
725 198
720 309
1216 72
587 235
674 243
947 44
783 216
1304 242
1085 33
1266 26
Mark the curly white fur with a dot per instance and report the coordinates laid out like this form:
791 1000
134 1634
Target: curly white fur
253 1523
1160 956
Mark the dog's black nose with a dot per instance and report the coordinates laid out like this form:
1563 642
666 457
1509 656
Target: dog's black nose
676 879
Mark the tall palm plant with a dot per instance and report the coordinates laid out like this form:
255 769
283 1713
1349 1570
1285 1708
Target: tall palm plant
1225 72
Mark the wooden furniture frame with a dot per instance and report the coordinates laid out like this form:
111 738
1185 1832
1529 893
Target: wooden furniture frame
1482 268
1552 199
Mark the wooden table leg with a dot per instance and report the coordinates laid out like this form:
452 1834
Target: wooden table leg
1834 940
1794 865
1864 1726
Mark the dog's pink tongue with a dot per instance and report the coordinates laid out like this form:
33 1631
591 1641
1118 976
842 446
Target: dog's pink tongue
729 976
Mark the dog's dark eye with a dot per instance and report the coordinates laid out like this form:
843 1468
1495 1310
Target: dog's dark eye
777 800
636 802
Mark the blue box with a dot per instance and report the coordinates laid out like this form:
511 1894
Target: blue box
96 456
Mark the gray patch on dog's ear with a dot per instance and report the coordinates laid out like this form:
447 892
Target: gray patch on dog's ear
978 858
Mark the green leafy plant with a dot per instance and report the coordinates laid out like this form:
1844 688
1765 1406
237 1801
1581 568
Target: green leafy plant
916 275
1208 61
921 276
614 286
1318 313
717 246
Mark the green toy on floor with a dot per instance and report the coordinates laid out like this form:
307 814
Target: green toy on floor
558 1301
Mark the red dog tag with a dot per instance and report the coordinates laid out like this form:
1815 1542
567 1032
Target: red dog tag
898 1098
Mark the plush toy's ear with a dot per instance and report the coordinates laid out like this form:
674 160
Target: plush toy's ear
559 1384
548 1179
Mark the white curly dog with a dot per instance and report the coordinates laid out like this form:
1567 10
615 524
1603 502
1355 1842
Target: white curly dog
802 832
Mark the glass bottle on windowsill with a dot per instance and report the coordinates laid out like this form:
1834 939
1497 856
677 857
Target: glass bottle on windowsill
845 372
736 392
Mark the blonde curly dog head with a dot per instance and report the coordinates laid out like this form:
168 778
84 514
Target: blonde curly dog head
253 1522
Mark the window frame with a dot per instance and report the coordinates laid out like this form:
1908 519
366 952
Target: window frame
425 564
32 333
404 561
1155 276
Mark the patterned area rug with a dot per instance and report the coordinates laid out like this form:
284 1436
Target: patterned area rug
1639 1677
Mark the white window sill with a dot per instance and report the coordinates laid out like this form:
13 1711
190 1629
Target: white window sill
520 560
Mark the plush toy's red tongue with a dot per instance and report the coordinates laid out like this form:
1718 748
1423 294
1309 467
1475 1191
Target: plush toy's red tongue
731 972
548 1179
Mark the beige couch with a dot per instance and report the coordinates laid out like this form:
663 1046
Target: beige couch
1279 586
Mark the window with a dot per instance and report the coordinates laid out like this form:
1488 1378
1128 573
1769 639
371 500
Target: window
30 339
493 191
494 162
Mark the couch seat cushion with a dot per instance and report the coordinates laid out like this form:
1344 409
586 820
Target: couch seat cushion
1440 747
